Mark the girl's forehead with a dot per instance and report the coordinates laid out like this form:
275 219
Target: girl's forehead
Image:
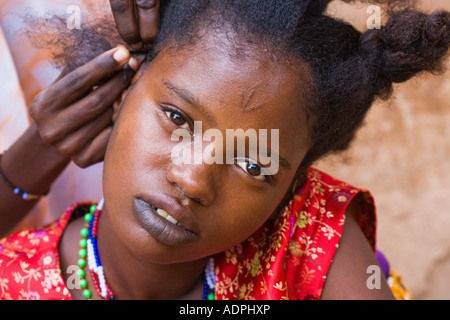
252 86
229 92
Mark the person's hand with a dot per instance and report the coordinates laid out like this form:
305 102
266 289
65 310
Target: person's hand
137 21
75 113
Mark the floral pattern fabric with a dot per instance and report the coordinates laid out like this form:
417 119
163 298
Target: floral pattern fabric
287 258
290 258
29 262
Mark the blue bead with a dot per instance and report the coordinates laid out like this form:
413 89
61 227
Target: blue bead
25 196
206 293
95 249
16 191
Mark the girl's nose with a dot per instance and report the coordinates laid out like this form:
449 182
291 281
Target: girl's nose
194 180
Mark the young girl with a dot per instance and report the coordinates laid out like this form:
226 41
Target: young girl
227 231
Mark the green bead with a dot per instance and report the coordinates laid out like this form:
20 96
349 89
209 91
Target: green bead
81 263
82 253
83 243
87 293
88 217
84 232
83 283
210 296
81 273
93 208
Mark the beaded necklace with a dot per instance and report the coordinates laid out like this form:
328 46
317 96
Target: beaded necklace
88 250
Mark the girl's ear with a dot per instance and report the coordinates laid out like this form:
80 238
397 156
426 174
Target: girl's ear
142 65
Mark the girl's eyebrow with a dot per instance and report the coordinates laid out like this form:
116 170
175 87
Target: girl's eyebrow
190 99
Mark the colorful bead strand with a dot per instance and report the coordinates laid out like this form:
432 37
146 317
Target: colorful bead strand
88 250
209 281
95 267
83 253
89 257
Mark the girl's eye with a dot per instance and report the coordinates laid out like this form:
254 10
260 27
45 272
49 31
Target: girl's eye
177 119
252 169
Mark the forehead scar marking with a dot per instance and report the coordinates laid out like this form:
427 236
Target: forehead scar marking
246 102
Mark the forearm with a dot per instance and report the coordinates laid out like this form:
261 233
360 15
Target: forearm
74 120
31 165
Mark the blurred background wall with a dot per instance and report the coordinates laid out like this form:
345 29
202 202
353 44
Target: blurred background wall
402 155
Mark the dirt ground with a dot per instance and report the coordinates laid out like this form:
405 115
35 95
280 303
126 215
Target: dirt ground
402 156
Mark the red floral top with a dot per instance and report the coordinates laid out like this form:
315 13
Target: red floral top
287 258
290 258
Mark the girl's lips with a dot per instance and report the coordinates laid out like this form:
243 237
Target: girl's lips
159 227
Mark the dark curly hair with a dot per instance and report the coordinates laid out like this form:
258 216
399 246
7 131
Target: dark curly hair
349 69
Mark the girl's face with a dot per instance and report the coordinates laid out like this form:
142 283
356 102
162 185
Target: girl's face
215 206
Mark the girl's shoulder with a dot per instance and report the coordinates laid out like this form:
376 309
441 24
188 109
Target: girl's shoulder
329 199
289 258
29 260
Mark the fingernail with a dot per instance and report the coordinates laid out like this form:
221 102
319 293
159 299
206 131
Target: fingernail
121 55
133 63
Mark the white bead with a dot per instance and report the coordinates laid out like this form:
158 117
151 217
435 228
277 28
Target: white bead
209 273
102 280
100 204
91 258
